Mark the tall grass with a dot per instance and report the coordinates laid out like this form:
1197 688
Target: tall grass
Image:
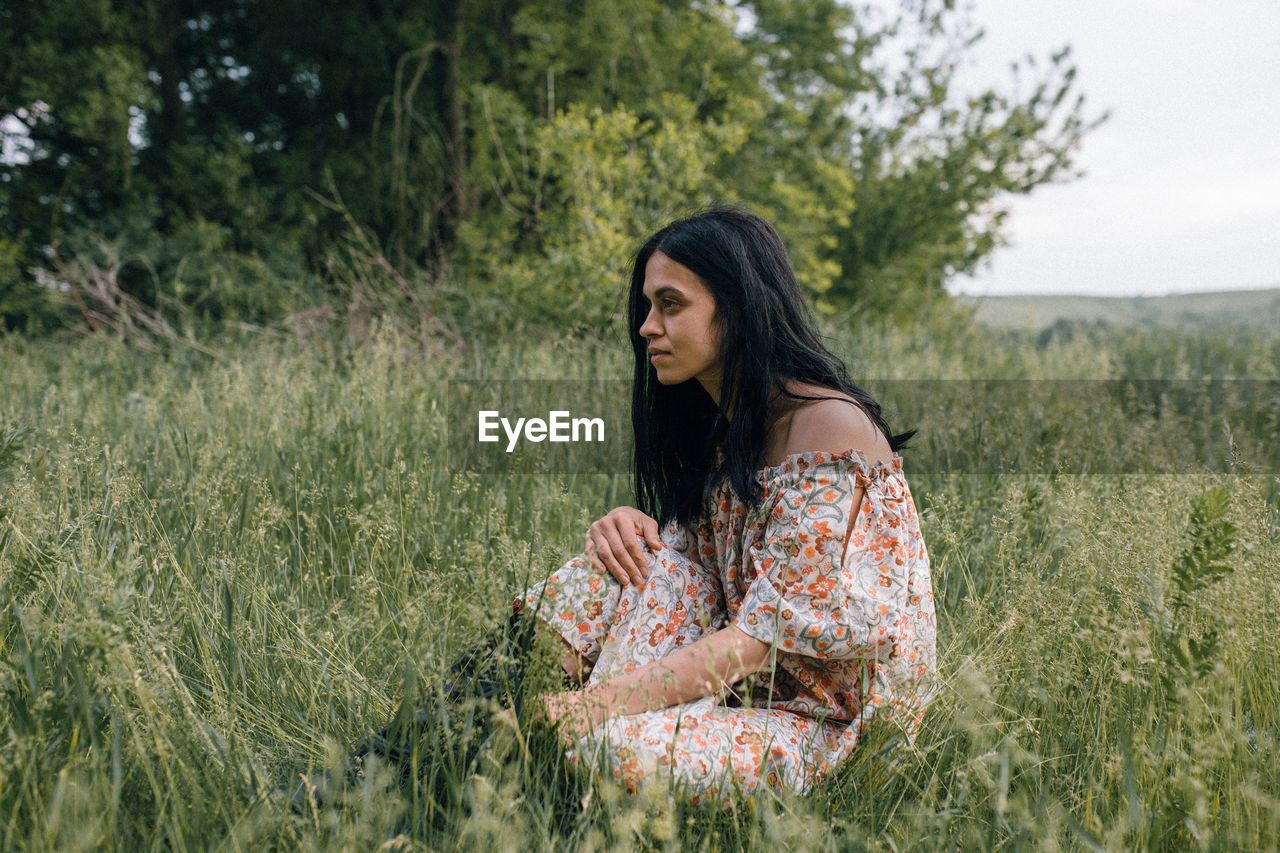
219 571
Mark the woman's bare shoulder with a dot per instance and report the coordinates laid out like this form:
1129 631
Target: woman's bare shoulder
835 425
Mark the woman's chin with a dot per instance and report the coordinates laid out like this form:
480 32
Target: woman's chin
666 377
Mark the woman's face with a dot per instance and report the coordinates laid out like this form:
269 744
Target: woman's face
682 328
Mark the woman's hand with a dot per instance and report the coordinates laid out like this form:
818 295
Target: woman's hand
614 544
575 713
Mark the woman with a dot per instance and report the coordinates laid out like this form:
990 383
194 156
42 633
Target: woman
772 590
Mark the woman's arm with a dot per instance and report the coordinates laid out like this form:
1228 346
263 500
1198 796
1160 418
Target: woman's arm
697 670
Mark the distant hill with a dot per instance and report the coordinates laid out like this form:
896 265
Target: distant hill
1247 307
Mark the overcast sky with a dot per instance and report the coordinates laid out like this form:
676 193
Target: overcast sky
1182 191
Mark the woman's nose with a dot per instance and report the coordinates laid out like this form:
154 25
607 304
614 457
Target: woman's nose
650 328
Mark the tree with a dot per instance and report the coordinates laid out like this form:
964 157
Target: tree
847 129
935 167
520 146
673 114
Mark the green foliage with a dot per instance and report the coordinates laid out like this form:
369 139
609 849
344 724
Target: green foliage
595 180
26 305
1212 540
194 276
520 147
574 192
11 442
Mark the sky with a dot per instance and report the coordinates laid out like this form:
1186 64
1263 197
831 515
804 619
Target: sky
1182 185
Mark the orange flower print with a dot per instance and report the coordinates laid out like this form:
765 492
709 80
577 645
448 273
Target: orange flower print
657 635
821 586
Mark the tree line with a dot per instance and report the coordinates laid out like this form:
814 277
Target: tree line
233 160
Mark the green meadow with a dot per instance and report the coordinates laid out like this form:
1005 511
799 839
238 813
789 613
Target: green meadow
222 566
1227 309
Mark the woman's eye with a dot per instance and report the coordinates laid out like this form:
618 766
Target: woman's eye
669 303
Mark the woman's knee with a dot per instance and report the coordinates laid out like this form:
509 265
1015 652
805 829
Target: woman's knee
675 577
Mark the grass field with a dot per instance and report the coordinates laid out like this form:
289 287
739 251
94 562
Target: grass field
219 570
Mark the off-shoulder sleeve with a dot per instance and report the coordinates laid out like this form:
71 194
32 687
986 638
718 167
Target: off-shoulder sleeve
828 583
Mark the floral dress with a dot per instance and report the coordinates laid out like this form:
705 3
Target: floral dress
842 594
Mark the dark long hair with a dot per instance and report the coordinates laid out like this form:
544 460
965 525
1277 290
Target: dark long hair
767 337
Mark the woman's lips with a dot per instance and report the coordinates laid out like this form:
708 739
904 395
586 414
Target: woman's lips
656 354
